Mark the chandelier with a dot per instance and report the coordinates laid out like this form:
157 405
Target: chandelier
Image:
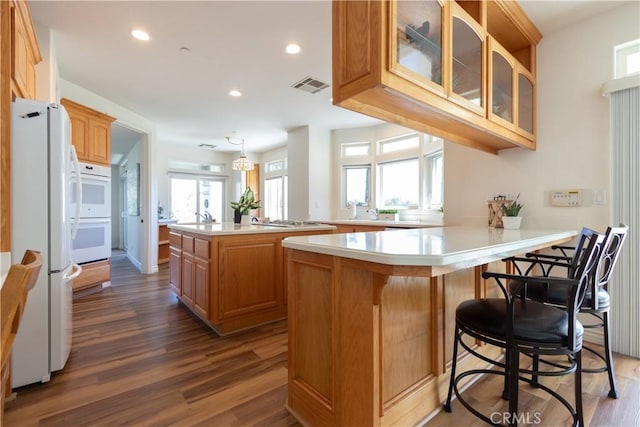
241 164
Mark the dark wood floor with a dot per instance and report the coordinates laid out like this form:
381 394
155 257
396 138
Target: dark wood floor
139 358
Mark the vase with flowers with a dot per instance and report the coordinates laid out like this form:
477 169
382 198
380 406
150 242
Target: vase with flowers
246 202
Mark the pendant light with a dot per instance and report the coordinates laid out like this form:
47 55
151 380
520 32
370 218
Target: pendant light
241 164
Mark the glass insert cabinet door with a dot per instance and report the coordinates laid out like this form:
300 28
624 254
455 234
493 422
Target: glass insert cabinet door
502 88
418 41
467 60
525 103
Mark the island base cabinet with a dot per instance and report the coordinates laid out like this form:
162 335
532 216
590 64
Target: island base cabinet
231 282
371 344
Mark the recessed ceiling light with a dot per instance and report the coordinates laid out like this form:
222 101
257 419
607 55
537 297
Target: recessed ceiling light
140 35
235 93
293 48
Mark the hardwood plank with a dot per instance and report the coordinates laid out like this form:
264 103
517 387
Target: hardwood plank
140 358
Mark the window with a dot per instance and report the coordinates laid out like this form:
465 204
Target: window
356 180
276 166
191 197
434 180
356 149
627 59
399 184
275 198
403 172
399 144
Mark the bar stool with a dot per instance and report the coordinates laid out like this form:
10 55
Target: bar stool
596 301
519 325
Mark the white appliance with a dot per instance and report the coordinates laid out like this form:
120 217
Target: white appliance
95 189
43 160
93 241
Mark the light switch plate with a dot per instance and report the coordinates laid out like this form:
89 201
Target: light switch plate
567 198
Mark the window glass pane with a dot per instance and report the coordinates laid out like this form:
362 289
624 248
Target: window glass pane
200 167
192 197
404 143
211 193
184 199
399 184
276 165
273 203
627 59
434 180
356 184
355 149
420 38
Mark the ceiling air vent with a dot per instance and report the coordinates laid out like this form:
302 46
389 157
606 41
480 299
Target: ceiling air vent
309 84
207 146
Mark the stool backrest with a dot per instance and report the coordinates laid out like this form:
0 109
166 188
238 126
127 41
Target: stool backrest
614 239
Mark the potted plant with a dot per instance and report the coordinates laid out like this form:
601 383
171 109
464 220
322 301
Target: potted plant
388 215
246 202
511 218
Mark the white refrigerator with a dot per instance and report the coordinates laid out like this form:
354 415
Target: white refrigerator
42 161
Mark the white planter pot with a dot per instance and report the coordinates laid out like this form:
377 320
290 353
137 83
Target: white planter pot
511 222
245 220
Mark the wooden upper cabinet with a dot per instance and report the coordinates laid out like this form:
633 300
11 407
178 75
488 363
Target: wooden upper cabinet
25 53
90 133
427 65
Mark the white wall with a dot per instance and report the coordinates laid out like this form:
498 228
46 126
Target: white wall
309 171
298 169
319 174
573 132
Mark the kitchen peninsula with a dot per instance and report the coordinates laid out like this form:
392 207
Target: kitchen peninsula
371 317
232 276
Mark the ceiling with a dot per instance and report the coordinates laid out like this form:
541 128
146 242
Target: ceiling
231 45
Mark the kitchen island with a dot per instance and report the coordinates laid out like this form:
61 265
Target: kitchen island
232 276
371 317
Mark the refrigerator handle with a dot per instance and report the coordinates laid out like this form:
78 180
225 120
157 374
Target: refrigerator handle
76 217
76 273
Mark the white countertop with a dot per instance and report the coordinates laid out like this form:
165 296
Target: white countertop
227 228
383 223
167 221
439 246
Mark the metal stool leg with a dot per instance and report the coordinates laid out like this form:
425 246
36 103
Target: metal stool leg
578 388
447 404
613 392
513 372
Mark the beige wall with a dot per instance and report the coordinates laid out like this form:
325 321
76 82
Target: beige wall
573 132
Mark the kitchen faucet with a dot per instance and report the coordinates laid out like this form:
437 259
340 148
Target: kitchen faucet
373 212
207 218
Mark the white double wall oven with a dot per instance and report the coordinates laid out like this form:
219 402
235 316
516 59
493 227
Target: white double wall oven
93 239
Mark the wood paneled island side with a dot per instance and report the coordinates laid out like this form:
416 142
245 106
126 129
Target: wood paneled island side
371 317
232 276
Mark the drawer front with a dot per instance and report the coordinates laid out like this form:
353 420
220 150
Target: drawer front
202 248
175 240
187 243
